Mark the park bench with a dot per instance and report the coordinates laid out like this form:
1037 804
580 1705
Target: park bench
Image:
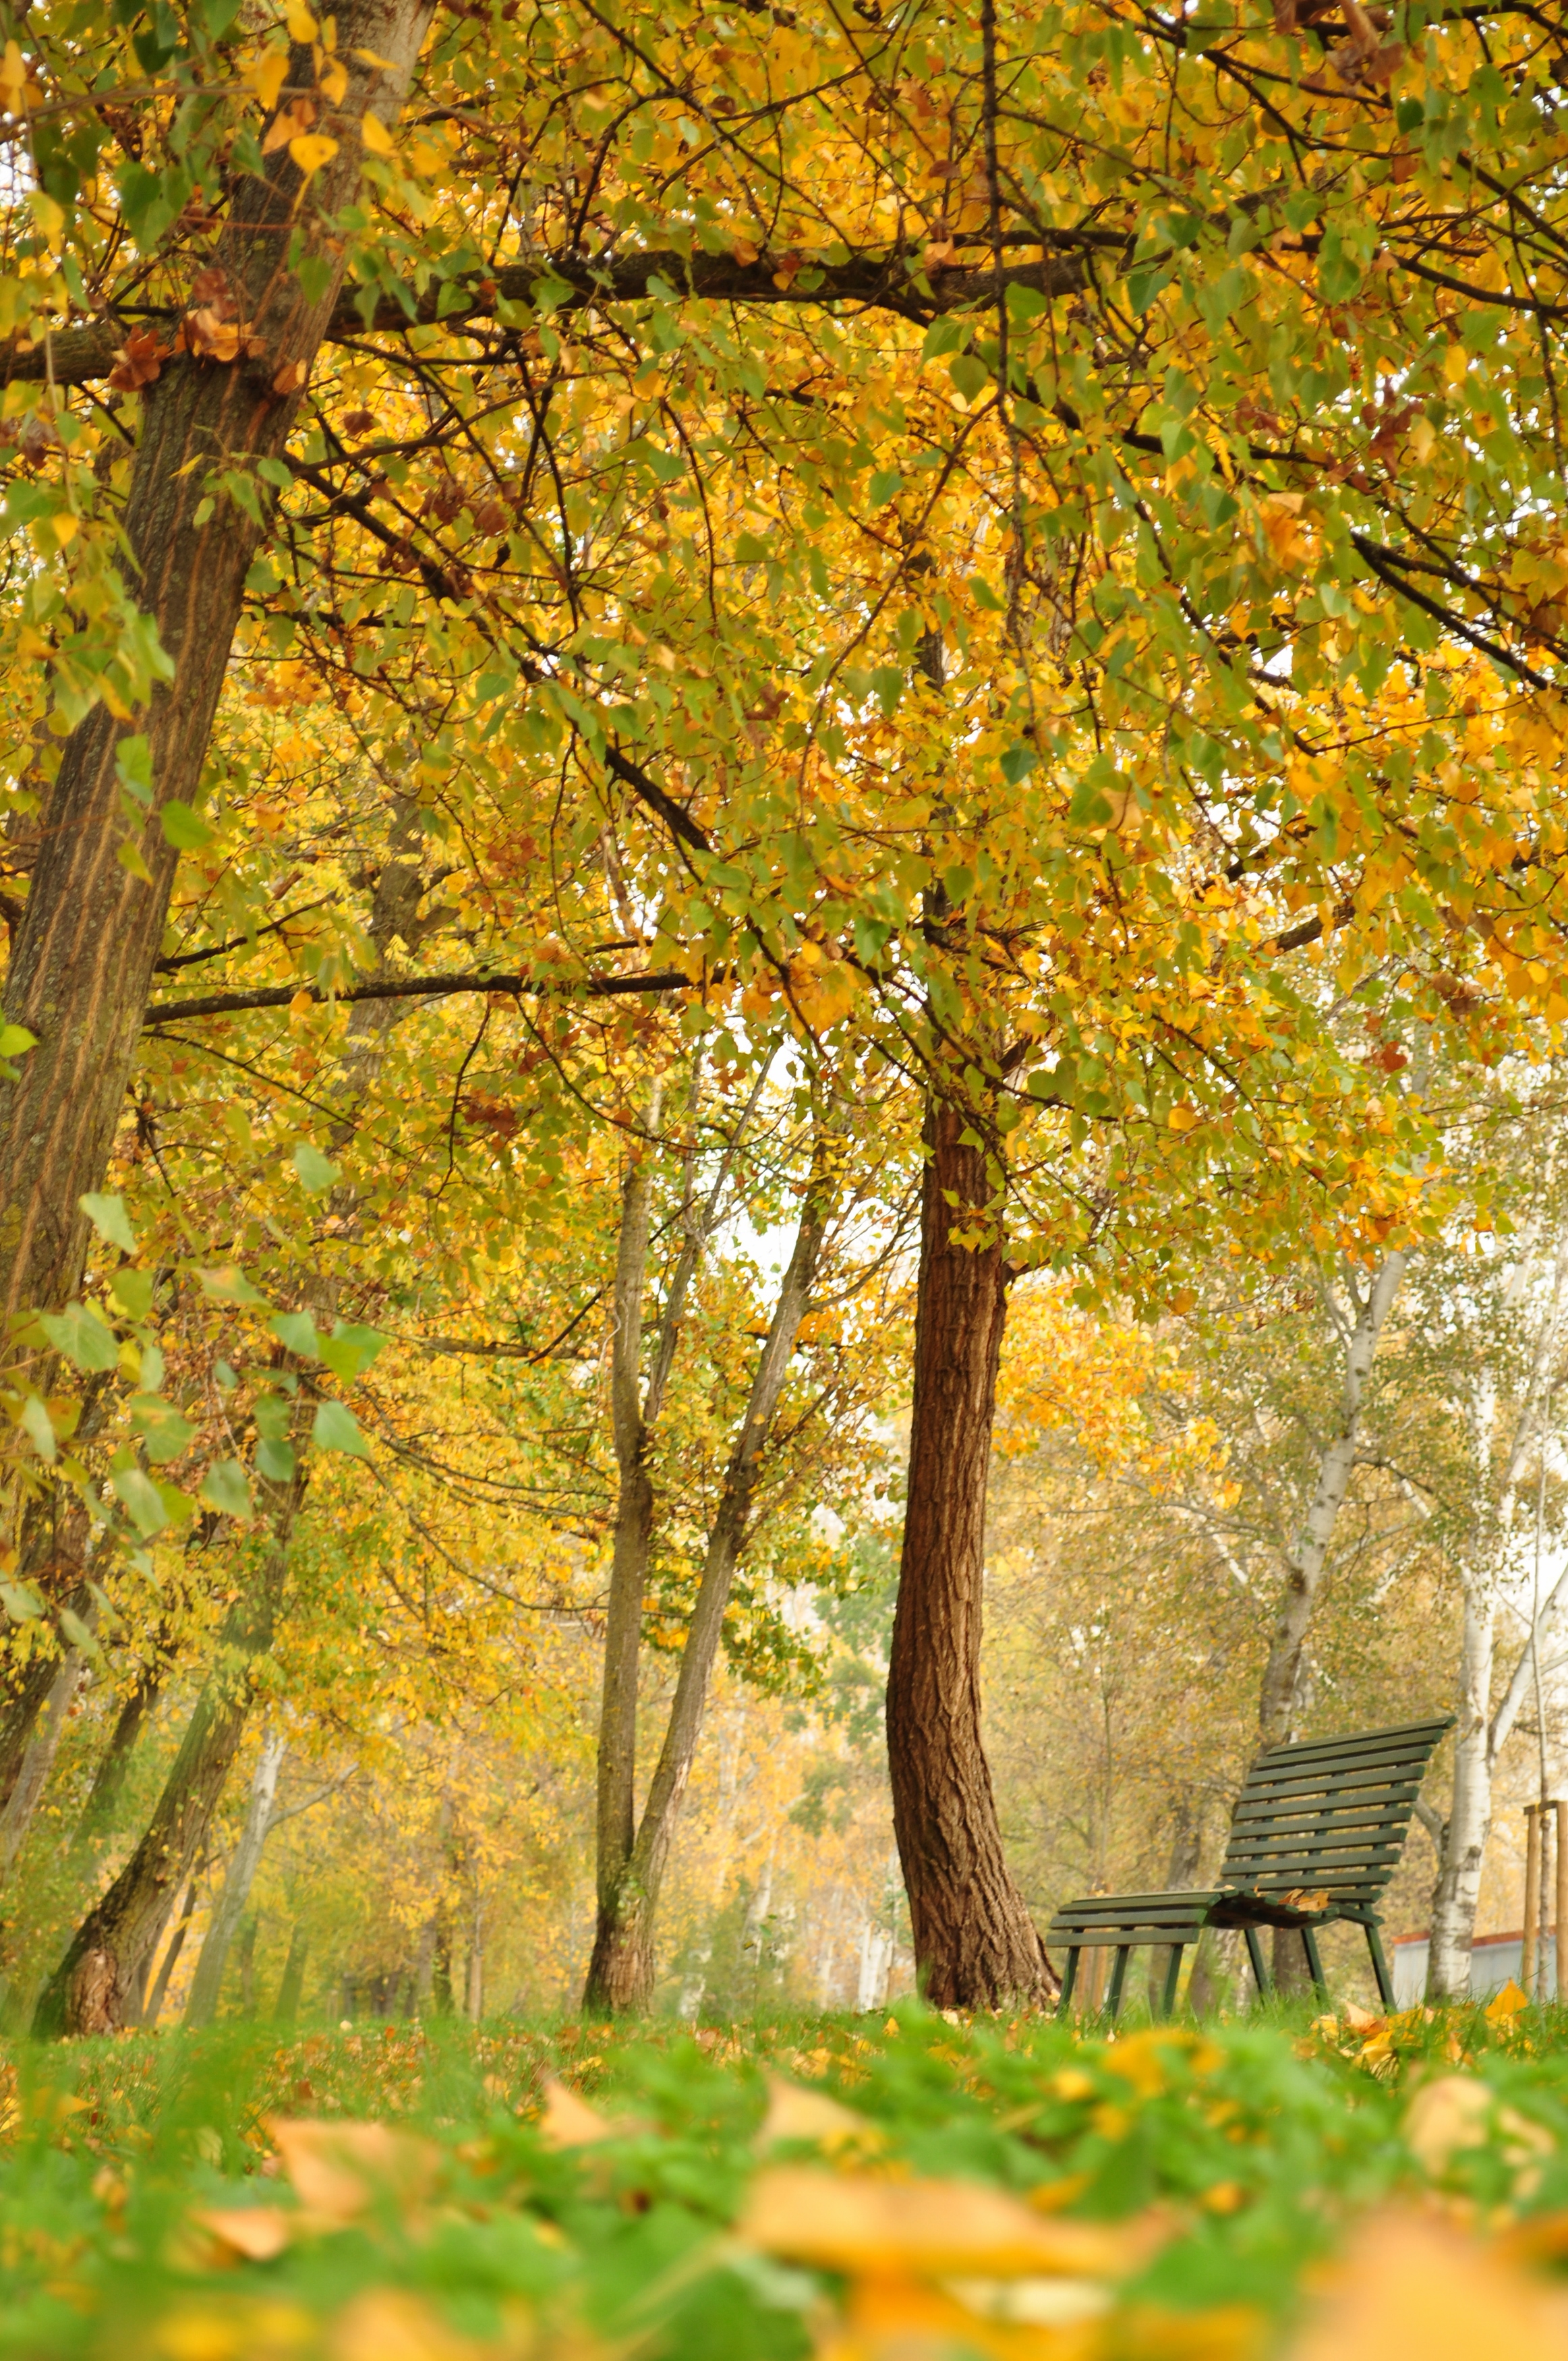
1315 1837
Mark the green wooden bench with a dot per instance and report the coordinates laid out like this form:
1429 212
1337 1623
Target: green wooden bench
1316 1835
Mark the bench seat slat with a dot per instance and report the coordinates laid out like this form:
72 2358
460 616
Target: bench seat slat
1420 1736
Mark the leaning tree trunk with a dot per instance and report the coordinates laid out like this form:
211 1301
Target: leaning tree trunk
975 1943
621 1974
97 1986
202 2006
1470 1814
83 961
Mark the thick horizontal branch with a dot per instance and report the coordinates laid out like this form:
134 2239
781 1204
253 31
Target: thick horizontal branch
887 282
415 987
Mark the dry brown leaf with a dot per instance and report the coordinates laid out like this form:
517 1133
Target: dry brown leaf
1409 2287
796 2114
289 123
339 2171
1306 1897
257 2232
137 361
939 2229
291 376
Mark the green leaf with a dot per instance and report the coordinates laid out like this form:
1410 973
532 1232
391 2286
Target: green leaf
142 1501
21 1604
943 337
969 375
276 1460
298 1330
750 550
887 680
81 1336
78 1633
229 1286
186 830
15 1038
36 1419
132 1290
316 1171
224 1488
133 768
334 1428
1018 764
350 1349
107 1215
884 485
166 1433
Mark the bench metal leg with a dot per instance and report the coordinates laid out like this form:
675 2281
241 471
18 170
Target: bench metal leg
1172 1976
1254 1953
1380 1967
1067 1982
1315 1965
1118 1978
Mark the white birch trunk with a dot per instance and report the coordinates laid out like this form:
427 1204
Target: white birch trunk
203 2004
1470 1815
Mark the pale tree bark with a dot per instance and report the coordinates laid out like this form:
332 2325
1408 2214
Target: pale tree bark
83 961
620 1975
1482 1732
635 1415
1360 1324
975 1943
202 2006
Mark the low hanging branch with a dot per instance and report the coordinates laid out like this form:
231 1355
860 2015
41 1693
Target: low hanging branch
423 987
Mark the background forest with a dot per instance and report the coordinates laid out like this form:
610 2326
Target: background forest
782 853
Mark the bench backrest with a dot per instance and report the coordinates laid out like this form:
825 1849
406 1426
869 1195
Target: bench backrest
1330 1815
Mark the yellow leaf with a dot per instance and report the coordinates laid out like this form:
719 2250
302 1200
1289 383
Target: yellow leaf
1506 2003
31 646
796 2114
570 2122
13 72
369 58
267 77
424 158
311 151
302 25
1455 363
129 856
847 2222
65 528
257 2232
339 2169
389 2324
377 136
1417 2286
333 82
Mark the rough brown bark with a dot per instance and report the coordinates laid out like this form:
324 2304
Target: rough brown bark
97 1986
975 1943
115 1762
621 1974
83 961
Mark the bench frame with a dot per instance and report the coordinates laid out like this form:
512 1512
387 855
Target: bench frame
1316 1833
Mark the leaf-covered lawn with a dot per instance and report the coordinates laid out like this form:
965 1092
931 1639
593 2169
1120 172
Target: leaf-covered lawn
868 2190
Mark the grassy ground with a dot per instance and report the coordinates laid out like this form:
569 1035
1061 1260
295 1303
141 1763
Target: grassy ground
869 2190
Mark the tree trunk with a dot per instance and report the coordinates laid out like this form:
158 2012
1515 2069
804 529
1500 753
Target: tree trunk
633 1536
83 959
291 1989
207 1983
115 1762
97 1985
621 1974
27 1792
153 2009
1307 1560
1470 1816
975 1943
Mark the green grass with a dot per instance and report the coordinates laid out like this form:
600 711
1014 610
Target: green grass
1240 2155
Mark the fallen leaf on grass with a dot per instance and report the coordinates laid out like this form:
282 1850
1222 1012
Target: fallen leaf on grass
1458 2113
1505 2006
796 2114
257 2232
390 2324
1408 2286
339 2171
941 2229
570 2122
